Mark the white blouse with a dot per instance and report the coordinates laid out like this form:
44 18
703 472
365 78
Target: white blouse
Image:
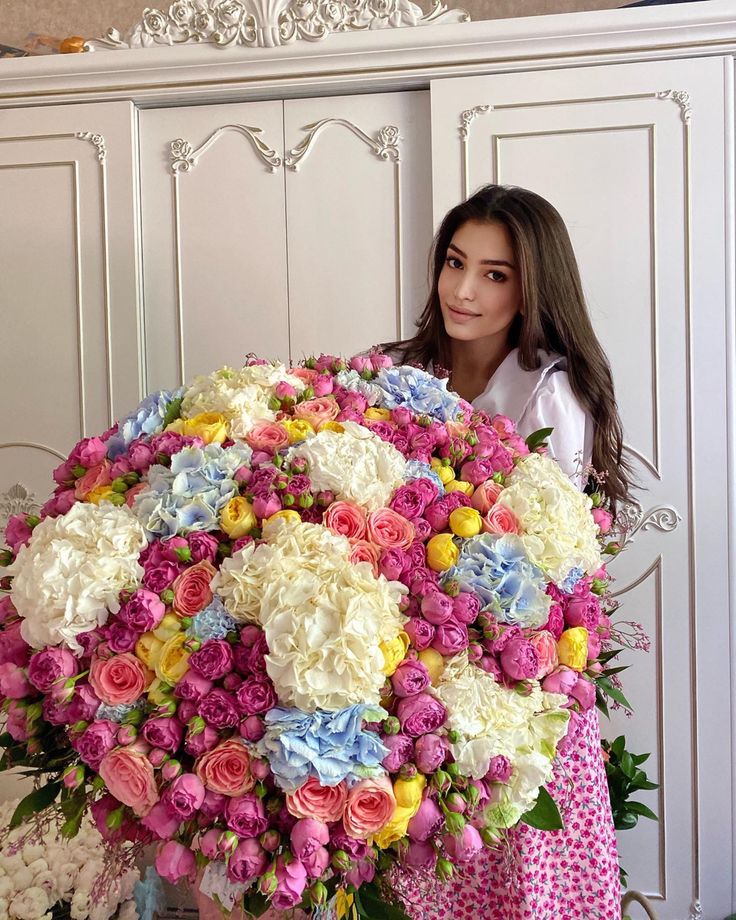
542 398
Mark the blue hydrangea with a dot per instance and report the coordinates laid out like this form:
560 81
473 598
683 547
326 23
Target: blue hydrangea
499 571
116 713
147 419
571 579
332 746
214 622
415 469
190 494
418 391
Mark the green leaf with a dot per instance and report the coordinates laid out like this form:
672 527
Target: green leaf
545 815
618 746
255 904
372 905
607 687
538 438
626 821
640 758
600 702
172 414
627 765
639 808
34 802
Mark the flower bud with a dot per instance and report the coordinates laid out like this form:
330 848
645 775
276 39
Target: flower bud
455 823
119 485
441 781
171 769
6 557
157 756
126 734
341 861
391 725
260 769
612 549
408 771
317 894
116 499
267 883
73 777
598 586
456 803
270 840
114 820
444 869
184 554
78 470
196 725
131 479
489 836
167 597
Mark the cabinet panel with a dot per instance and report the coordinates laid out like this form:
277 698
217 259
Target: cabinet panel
214 238
632 157
358 217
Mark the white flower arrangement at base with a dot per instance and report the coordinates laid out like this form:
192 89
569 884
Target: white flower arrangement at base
40 873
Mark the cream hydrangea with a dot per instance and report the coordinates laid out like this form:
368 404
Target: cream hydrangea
353 463
324 618
492 720
558 530
241 396
67 579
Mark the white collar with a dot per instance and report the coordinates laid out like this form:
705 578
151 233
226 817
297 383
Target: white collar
511 389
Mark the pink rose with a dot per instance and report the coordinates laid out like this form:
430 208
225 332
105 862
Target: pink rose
362 551
95 477
430 752
603 519
485 496
561 680
13 647
369 807
96 742
400 750
477 471
202 546
499 769
546 648
192 591
17 721
347 519
90 451
583 611
451 637
49 666
162 821
317 411
192 687
437 607
410 501
247 862
306 374
119 680
174 862
245 815
465 846
164 732
143 612
291 880
256 695
133 491
17 532
555 621
426 822
466 607
226 769
379 360
128 775
213 660
185 795
387 528
584 693
392 562
420 633
519 660
420 856
312 800
409 678
268 436
308 839
420 714
501 519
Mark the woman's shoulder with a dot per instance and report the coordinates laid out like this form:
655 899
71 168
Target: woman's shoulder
512 390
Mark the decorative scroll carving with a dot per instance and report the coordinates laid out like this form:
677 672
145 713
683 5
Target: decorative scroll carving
384 145
17 500
631 518
681 98
268 23
467 117
184 157
97 139
696 911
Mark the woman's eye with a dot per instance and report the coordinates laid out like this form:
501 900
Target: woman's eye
496 276
453 262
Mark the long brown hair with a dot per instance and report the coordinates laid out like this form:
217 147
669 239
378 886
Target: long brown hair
555 316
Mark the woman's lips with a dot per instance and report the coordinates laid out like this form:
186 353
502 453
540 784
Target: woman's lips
460 316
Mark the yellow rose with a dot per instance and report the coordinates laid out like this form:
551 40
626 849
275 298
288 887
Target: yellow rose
459 485
148 649
441 552
394 653
168 627
377 415
210 426
100 494
332 426
433 662
297 429
237 517
445 472
173 662
572 648
466 522
408 795
159 693
177 426
291 517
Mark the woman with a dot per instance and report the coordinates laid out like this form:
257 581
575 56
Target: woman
507 318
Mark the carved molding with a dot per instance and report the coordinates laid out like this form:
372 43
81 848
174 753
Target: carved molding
696 910
384 145
467 117
97 139
268 23
681 98
184 157
17 500
631 518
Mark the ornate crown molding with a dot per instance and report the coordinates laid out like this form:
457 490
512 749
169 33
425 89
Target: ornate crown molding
269 23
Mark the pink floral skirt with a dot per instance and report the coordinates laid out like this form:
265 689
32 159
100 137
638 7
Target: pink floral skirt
570 874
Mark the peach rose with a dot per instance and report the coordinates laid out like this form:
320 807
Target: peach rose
369 807
133 491
485 496
226 769
362 551
313 800
546 648
269 436
501 519
129 776
317 411
305 374
192 591
95 478
119 680
387 528
347 519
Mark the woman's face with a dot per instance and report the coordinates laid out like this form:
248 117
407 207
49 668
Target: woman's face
480 285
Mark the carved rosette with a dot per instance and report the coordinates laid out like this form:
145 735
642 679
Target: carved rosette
268 23
17 500
681 98
631 518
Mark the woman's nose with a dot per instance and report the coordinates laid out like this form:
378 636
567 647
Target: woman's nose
465 289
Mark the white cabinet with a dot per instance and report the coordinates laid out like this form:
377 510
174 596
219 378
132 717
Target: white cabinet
633 158
281 228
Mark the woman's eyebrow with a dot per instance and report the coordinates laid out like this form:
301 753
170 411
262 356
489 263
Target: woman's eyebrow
482 261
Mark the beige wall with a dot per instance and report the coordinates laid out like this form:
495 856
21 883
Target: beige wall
92 18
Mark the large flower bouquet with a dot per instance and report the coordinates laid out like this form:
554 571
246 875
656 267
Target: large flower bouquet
302 626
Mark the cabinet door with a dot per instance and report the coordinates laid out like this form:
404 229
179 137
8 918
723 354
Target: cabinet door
214 239
358 218
633 158
68 288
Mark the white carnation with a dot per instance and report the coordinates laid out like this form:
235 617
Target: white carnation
69 576
558 530
355 464
30 904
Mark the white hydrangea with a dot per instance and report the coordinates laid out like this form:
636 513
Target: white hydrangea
67 872
355 464
324 617
558 530
242 396
352 380
69 576
493 720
